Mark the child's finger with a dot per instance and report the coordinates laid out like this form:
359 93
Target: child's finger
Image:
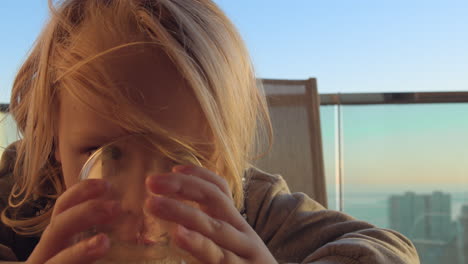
203 249
80 192
187 187
58 234
195 219
86 251
205 174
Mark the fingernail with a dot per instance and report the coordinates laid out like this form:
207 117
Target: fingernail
150 180
163 184
186 169
99 241
158 204
154 179
155 201
183 231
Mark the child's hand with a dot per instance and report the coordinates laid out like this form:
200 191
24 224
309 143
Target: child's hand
76 210
215 234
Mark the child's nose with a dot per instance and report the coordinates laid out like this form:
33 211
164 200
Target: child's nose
133 188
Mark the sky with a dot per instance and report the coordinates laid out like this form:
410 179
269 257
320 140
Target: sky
349 46
399 148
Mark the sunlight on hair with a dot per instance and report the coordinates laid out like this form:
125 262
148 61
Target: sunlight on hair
69 55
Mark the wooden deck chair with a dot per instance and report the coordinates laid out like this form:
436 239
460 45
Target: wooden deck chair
297 147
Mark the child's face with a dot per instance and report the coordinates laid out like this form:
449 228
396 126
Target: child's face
158 88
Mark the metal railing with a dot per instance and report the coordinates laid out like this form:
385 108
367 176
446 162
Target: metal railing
393 98
349 99
379 98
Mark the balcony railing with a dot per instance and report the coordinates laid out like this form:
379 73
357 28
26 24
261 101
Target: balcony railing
400 161
393 98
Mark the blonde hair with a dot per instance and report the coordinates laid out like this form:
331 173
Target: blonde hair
69 55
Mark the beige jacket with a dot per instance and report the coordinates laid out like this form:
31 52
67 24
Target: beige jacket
295 228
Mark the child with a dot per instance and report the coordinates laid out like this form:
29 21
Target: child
176 69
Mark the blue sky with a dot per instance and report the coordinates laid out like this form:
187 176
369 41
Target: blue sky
349 46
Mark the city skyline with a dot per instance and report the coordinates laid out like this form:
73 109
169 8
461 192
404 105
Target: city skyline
426 220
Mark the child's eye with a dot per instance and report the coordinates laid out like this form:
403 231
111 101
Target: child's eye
89 151
112 152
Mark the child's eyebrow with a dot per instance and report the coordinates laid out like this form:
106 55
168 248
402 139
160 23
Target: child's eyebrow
91 137
98 139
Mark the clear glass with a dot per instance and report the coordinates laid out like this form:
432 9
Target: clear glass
329 144
136 236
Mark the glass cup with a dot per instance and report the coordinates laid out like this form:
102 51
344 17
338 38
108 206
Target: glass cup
136 236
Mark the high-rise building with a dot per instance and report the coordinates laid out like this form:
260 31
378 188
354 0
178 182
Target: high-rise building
426 220
403 215
464 234
422 216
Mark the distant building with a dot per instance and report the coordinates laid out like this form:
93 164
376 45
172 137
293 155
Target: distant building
426 220
422 216
438 251
464 234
